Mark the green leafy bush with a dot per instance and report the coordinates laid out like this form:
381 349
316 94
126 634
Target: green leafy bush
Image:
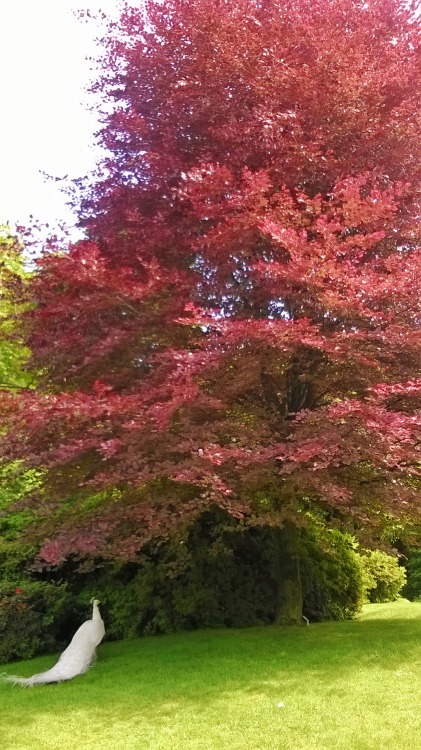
331 576
15 484
14 559
383 577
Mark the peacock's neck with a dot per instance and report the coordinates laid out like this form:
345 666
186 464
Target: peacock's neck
96 615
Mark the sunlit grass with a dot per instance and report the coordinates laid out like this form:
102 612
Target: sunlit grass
353 685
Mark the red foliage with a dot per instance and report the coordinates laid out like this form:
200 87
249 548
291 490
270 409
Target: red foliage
244 319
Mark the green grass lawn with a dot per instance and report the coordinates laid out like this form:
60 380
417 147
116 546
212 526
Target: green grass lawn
353 685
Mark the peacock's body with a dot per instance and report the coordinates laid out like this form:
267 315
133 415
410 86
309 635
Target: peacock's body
75 659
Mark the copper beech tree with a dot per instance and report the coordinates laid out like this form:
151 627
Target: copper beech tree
241 325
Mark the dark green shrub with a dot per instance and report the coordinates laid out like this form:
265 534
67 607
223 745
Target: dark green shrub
31 611
412 588
222 574
30 617
218 575
20 628
331 576
383 577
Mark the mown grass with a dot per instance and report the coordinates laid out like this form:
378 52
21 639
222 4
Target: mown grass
353 685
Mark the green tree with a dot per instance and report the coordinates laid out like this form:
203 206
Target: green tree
14 485
13 352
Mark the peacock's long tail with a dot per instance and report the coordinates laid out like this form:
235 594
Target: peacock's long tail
55 674
73 661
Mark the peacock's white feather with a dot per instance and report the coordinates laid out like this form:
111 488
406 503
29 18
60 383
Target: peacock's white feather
75 659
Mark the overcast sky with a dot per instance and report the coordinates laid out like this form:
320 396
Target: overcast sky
44 122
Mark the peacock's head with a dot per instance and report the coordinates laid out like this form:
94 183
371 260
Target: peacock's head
95 601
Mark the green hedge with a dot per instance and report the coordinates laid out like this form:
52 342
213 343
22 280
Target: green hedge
220 574
223 574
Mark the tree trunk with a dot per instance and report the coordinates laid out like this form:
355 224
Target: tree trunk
289 609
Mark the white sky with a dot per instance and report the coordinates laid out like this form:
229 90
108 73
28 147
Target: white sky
44 122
